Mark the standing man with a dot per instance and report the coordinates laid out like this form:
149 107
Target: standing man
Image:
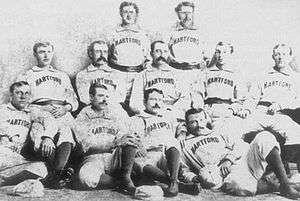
163 77
108 145
15 123
52 92
185 41
98 71
129 46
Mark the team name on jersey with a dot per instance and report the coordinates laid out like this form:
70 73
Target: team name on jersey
20 122
220 80
128 40
156 126
46 78
277 83
204 141
160 80
185 39
104 129
105 82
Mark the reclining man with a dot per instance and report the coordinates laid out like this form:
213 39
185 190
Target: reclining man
212 158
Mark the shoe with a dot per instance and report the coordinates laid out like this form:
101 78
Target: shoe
172 190
127 185
189 188
289 192
59 179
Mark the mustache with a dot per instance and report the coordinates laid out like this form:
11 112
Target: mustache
101 59
161 59
156 106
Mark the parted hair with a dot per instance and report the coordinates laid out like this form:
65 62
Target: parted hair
184 3
151 90
282 45
93 86
91 46
41 44
17 84
128 3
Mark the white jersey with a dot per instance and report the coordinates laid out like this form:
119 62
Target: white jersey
98 130
114 80
50 83
186 46
156 130
202 153
128 46
164 79
279 87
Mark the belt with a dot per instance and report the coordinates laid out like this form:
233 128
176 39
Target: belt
122 68
264 103
211 101
184 66
48 102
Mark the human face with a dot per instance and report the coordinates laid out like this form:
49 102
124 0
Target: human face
160 53
20 97
223 54
154 104
186 16
129 15
44 55
99 101
99 54
197 123
282 56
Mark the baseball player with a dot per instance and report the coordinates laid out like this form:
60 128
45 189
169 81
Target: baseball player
15 122
128 45
159 155
99 71
108 145
52 92
163 77
212 159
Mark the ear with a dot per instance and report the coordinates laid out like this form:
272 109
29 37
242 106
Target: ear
91 97
209 126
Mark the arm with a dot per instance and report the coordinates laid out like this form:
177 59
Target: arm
70 96
136 102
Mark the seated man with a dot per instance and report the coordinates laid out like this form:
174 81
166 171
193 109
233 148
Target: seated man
107 144
52 93
212 159
15 122
158 155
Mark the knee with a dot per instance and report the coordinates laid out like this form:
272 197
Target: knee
88 178
266 137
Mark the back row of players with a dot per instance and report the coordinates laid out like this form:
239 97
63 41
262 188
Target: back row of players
134 104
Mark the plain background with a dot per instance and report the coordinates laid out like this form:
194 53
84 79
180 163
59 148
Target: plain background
252 26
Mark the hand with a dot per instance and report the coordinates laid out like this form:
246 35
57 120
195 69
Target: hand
60 110
225 168
242 113
128 140
142 152
204 182
47 147
272 109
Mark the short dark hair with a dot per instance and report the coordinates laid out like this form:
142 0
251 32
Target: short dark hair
194 111
154 43
127 3
225 43
91 46
184 3
93 86
17 84
41 44
151 90
282 45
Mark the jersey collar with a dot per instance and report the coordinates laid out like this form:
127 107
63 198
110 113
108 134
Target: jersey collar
179 27
12 108
164 67
287 71
134 28
38 69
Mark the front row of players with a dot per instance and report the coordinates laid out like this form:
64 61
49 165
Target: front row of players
116 147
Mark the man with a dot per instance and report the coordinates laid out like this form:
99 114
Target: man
159 155
217 161
129 45
107 143
52 92
99 71
15 123
185 41
163 77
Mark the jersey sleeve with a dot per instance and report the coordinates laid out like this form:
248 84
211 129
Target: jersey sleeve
70 96
136 102
82 85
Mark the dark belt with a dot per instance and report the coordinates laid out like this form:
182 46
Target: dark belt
264 103
122 68
184 66
48 102
211 101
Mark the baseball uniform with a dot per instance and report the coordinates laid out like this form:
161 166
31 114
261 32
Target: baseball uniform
202 155
165 79
157 135
96 133
51 87
109 77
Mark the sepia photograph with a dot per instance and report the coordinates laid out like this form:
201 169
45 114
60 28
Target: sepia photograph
150 100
